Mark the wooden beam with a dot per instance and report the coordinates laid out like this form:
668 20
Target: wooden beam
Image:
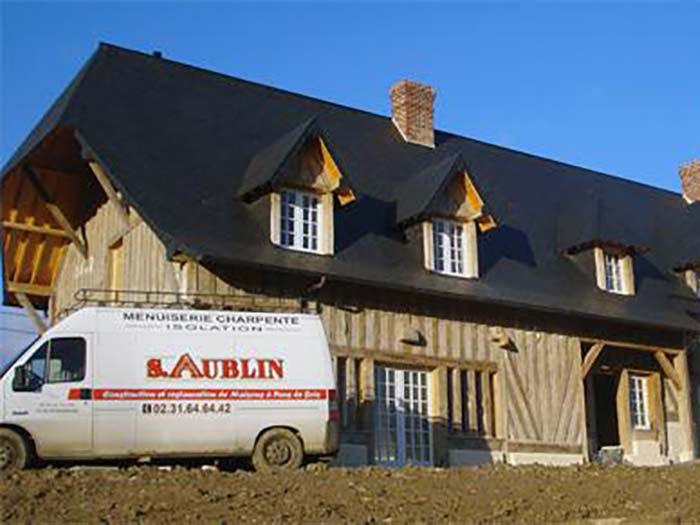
685 409
590 359
668 369
33 228
634 346
31 311
109 190
29 289
56 212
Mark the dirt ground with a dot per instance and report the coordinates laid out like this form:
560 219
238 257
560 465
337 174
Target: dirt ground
502 494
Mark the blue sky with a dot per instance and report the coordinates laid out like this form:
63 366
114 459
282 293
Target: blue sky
613 87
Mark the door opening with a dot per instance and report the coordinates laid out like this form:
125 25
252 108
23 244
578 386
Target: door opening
605 393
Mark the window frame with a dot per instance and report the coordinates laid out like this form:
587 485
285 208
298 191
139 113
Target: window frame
623 284
640 415
440 240
323 221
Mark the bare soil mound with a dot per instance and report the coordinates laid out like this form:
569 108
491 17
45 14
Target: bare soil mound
503 494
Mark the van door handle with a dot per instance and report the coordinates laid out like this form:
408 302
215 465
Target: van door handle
86 393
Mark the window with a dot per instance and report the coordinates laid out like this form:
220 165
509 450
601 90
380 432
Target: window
66 360
639 402
301 221
614 271
36 366
60 360
470 404
451 248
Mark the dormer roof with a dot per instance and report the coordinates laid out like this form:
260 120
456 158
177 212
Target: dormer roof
444 188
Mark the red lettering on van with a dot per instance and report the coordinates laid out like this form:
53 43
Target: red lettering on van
186 364
229 369
233 368
154 369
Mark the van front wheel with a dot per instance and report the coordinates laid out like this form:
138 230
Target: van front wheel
13 451
278 449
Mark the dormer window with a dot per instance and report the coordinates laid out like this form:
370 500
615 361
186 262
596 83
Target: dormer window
302 221
451 248
615 273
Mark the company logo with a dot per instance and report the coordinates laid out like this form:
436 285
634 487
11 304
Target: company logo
233 368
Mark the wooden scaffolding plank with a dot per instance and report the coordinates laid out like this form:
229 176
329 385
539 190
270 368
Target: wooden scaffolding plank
29 289
34 228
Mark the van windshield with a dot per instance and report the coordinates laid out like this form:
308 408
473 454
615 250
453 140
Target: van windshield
8 359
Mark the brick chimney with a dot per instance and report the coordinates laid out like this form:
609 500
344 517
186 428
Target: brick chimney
690 180
412 112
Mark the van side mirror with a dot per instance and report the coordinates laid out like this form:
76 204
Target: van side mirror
22 381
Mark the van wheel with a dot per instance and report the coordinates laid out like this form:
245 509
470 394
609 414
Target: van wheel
13 451
278 449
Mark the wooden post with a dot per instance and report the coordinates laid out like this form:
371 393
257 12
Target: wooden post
487 400
624 423
31 311
680 363
471 401
366 391
456 415
439 415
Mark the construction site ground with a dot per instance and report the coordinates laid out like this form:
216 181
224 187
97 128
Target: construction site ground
491 494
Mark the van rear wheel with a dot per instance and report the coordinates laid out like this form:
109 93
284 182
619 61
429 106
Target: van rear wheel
13 451
278 449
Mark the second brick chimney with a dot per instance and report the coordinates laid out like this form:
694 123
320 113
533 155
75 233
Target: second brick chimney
412 112
690 180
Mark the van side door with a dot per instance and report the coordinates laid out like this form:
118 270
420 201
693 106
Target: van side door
56 409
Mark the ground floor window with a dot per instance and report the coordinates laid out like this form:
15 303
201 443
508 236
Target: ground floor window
639 402
470 405
403 431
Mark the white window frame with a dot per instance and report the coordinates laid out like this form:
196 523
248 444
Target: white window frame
298 207
614 273
450 247
639 402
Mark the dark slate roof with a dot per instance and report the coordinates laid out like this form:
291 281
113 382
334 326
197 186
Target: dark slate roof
594 220
178 141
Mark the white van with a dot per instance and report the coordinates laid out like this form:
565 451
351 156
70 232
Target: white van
132 383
